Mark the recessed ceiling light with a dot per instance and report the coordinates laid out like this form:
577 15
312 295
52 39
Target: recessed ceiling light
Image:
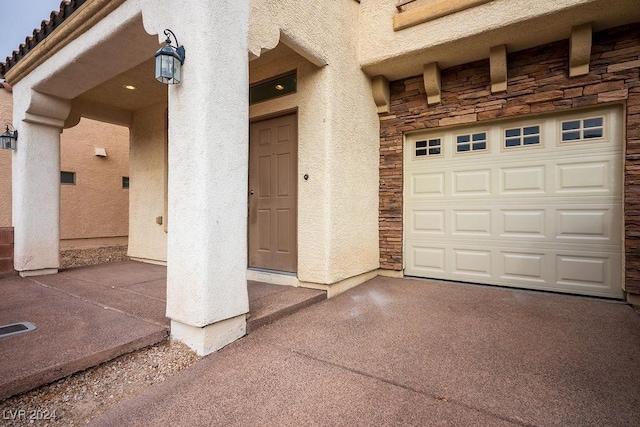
279 87
129 87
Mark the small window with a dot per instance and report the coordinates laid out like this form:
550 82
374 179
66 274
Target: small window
431 147
522 136
125 182
471 142
68 178
273 88
582 130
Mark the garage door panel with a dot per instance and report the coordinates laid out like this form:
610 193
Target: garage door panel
428 222
598 224
585 177
476 223
529 180
472 262
589 273
574 269
427 184
548 217
428 259
527 267
523 223
578 272
586 224
474 183
558 223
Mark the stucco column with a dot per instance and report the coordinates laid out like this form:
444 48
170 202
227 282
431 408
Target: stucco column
36 181
207 297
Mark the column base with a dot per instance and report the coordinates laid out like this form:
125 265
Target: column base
397 274
343 285
212 337
633 299
43 272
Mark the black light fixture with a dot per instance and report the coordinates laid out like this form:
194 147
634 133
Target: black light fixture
169 60
8 138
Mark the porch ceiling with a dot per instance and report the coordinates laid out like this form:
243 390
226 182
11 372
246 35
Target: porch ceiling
148 91
94 68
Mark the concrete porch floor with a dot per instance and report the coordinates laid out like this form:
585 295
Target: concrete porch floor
88 315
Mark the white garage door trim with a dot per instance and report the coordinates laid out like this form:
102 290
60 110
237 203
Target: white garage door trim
530 203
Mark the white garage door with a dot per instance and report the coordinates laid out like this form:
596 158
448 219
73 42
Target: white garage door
533 203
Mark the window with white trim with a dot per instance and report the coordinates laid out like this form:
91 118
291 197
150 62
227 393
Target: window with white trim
429 147
522 136
582 129
471 142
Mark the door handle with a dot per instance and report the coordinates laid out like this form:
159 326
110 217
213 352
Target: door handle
251 192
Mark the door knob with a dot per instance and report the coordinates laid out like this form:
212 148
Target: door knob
251 192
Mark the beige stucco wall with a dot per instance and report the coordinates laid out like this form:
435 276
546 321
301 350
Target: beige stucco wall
309 100
469 34
147 157
338 132
6 112
94 212
96 206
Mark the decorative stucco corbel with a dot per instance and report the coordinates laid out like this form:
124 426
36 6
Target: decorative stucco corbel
380 90
47 110
432 83
498 65
580 50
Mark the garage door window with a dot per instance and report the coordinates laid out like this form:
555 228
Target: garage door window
580 130
431 147
521 136
471 142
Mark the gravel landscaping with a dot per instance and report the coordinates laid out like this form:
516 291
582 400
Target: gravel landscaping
76 400
79 257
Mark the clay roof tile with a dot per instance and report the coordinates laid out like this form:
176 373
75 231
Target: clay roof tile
67 7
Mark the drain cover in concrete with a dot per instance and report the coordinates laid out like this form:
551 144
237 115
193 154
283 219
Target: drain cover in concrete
16 328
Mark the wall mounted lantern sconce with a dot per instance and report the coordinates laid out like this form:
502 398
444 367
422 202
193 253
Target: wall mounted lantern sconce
8 138
169 60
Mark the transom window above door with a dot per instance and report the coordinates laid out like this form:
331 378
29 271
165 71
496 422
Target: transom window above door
273 88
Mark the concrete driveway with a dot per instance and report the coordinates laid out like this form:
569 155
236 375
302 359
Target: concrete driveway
414 352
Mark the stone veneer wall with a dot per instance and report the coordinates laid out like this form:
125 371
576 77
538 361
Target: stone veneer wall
538 82
6 251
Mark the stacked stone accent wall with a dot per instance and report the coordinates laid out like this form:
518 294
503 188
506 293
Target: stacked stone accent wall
538 82
6 251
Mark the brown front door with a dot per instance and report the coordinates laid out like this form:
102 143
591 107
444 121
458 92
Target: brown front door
273 192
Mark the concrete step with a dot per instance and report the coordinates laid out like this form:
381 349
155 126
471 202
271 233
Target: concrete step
268 303
71 335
